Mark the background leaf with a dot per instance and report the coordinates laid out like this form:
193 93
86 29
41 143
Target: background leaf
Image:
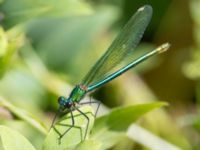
148 139
24 10
111 128
12 140
93 144
24 115
75 134
117 119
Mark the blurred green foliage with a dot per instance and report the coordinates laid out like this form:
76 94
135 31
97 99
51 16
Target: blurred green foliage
48 46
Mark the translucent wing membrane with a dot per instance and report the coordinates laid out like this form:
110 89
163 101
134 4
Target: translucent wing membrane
121 48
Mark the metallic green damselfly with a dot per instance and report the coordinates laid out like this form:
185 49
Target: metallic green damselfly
105 69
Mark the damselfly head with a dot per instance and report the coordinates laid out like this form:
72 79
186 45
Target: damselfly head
64 103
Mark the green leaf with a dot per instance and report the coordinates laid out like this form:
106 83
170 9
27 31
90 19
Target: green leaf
196 123
12 140
108 138
3 42
148 139
89 144
190 68
75 135
24 115
121 118
18 11
59 37
110 129
10 42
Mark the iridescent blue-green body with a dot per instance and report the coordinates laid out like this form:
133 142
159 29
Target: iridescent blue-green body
76 96
109 66
79 91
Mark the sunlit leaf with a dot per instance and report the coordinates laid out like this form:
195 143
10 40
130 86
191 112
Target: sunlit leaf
9 44
12 140
3 42
117 119
75 135
24 115
18 11
109 129
89 144
149 140
65 40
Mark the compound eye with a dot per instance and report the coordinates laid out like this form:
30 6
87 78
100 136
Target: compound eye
61 100
68 104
